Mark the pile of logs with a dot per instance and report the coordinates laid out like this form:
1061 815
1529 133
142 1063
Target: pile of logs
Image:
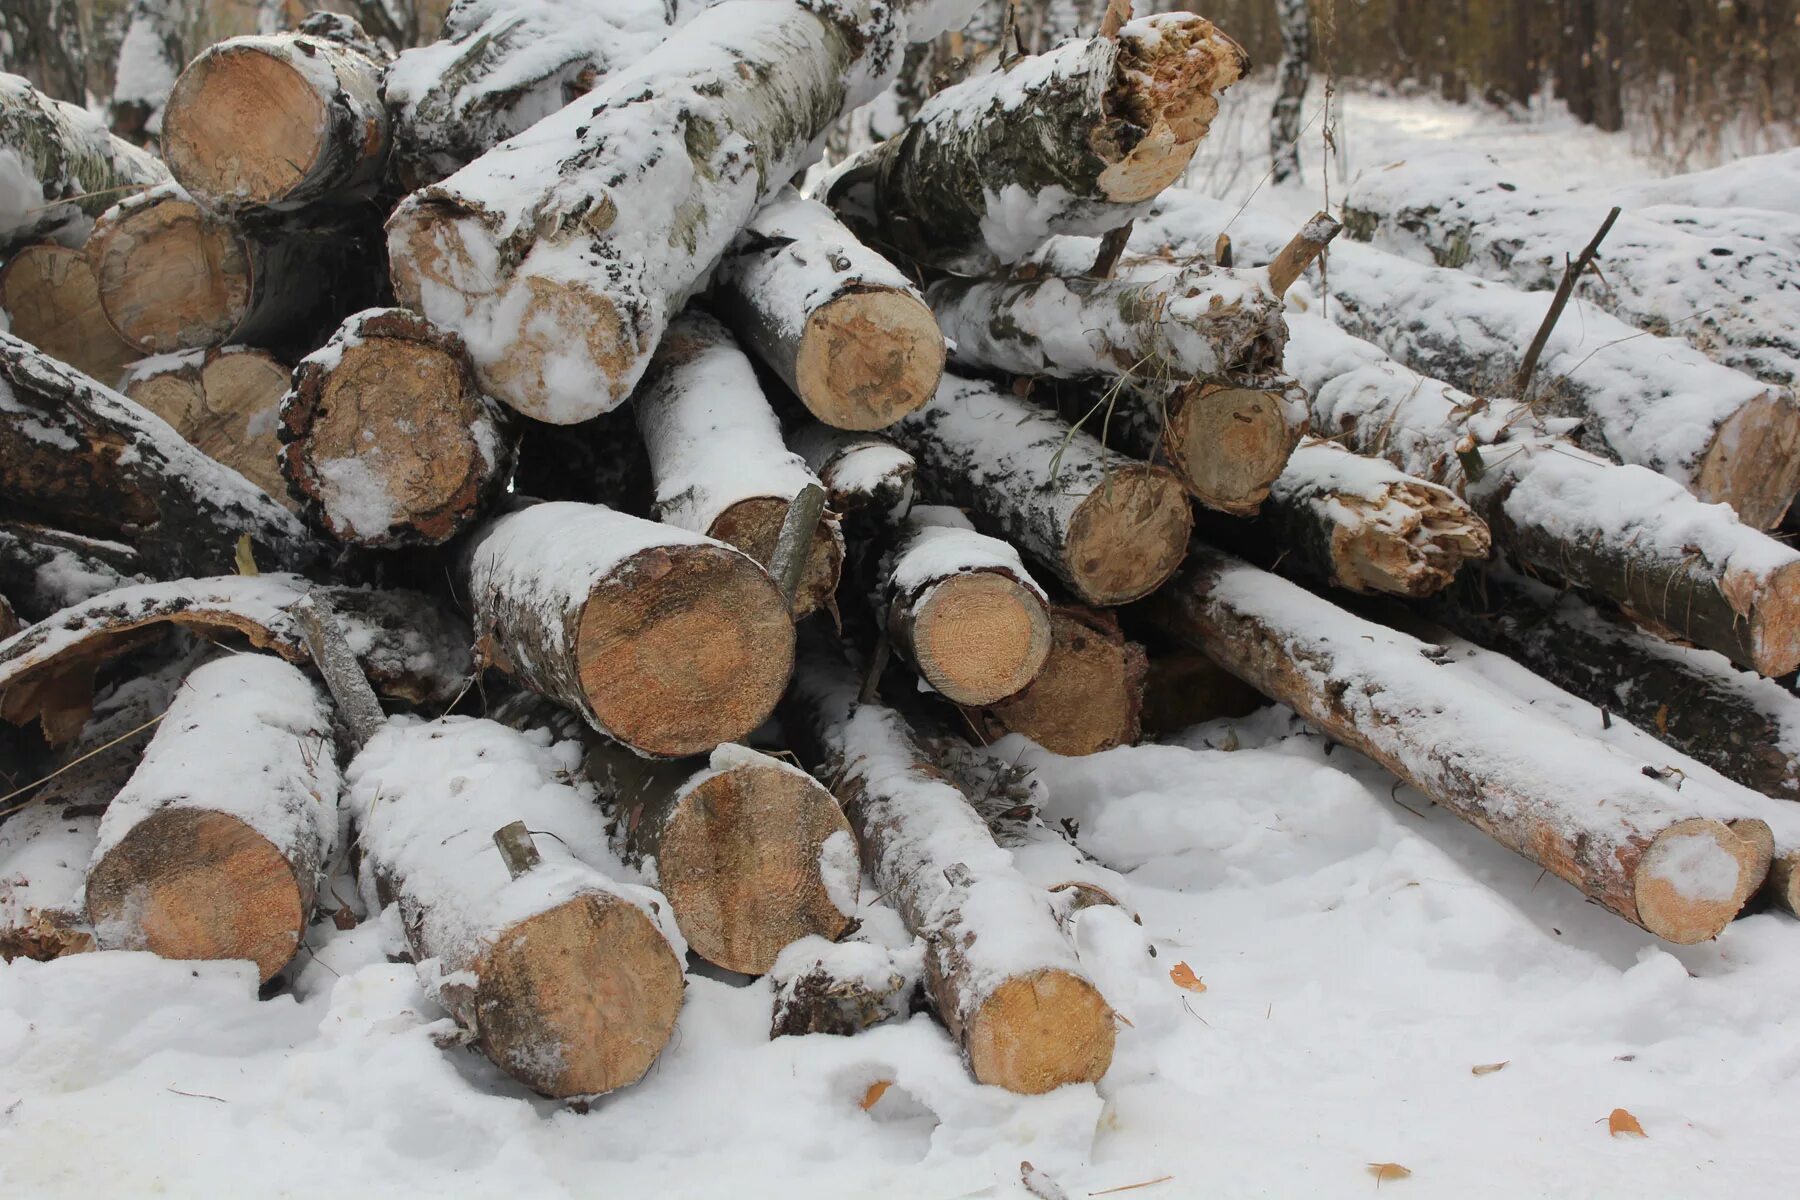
623 551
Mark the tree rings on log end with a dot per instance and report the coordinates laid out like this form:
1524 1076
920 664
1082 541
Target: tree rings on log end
579 999
1089 695
868 358
1783 885
980 636
1128 536
170 277
1036 1032
49 293
1693 879
742 861
684 647
190 883
1773 610
1229 444
1166 85
244 126
1753 463
754 525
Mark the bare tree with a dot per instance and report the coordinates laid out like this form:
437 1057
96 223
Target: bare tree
1295 73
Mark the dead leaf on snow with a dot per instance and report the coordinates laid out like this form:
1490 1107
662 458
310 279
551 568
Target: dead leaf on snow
1623 1124
1387 1172
1488 1068
1183 977
876 1091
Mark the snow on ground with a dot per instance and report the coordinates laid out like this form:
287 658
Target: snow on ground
1360 951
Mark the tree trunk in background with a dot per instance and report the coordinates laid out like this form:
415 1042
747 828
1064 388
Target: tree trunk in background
1604 62
43 43
1293 75
150 60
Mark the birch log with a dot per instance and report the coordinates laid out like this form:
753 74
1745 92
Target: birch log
842 988
717 458
864 476
1079 139
64 168
150 58
997 969
215 847
567 980
665 640
44 570
845 330
224 403
1534 785
387 438
1089 695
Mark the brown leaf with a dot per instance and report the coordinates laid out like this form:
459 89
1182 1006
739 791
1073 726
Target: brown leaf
1387 1172
1488 1068
1184 977
1623 1124
876 1091
1662 718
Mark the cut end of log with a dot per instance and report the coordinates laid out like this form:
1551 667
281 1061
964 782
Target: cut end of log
754 525
1034 1033
1774 620
226 411
580 999
743 862
980 636
170 278
1753 463
1166 83
1410 544
1128 537
1783 886
1229 444
49 294
1089 695
683 648
1693 879
243 124
868 358
191 884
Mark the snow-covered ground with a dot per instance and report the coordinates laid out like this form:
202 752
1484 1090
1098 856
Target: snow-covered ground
1360 953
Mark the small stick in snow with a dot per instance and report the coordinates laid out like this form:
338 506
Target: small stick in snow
331 653
517 850
1302 251
1572 272
787 563
1112 245
1222 255
1117 13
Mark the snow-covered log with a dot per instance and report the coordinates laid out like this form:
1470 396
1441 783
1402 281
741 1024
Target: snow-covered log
262 125
386 436
173 277
42 41
1109 526
50 297
59 167
150 58
666 640
1076 140
843 327
80 456
561 256
1364 525
997 968
1089 695
223 402
842 988
1755 181
1565 802
963 609
44 570
1731 297
864 476
215 847
716 456
751 851
568 981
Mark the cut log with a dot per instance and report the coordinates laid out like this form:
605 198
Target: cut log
64 169
1655 402
666 640
1760 181
842 326
997 968
1088 697
80 456
561 257
386 435
717 457
150 58
842 987
263 125
568 981
751 852
1361 524
45 570
1730 297
215 848
963 609
1090 132
864 476
1563 801
224 402
52 301
1184 688
1109 526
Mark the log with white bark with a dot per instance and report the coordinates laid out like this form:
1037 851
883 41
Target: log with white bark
1731 297
215 847
716 456
1580 810
51 300
1089 694
751 851
842 988
1764 181
666 640
864 476
1109 526
386 436
1655 402
61 167
843 327
150 58
44 570
264 125
998 970
568 981
963 609
224 402
173 277
80 456
560 257
1076 140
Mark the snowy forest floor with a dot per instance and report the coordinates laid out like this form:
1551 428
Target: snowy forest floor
1360 953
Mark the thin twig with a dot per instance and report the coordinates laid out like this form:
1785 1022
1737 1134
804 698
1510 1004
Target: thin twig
1571 272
